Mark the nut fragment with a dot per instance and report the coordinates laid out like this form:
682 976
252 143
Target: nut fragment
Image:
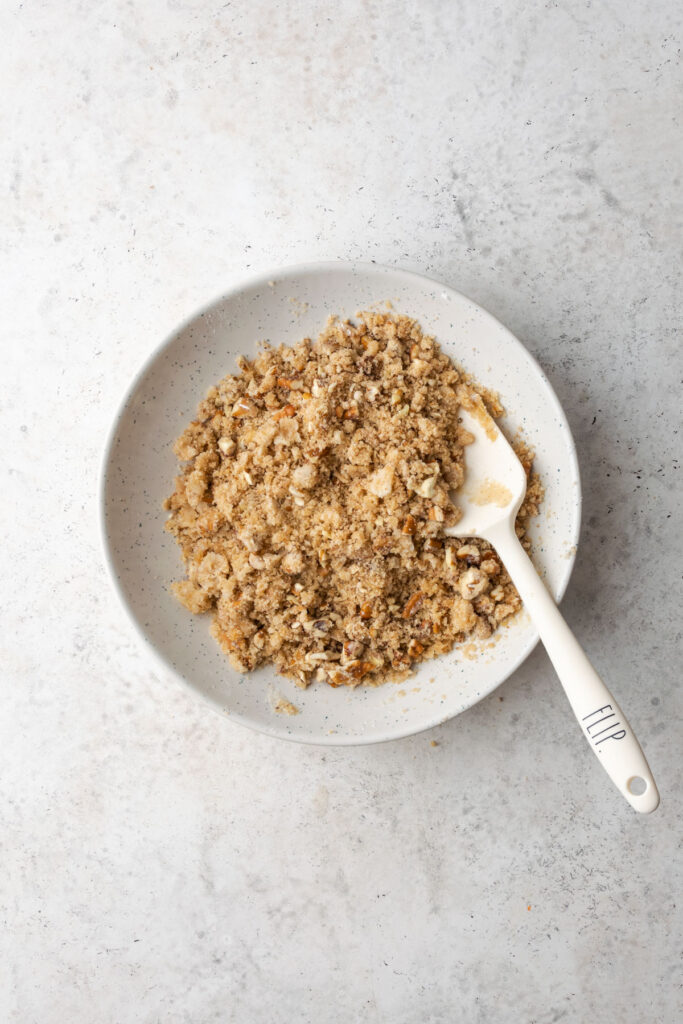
250 541
472 583
317 656
357 669
436 514
427 487
412 604
286 410
268 382
366 610
409 526
337 678
469 553
352 649
433 544
227 445
380 483
244 407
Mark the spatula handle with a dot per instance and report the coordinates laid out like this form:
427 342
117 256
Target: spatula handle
600 717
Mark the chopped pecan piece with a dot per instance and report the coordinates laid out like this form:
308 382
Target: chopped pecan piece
412 605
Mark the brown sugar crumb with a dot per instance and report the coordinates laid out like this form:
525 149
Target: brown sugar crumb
311 504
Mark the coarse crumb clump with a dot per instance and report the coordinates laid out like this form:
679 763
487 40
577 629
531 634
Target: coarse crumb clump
311 505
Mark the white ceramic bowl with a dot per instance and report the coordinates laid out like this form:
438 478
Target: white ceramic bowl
139 467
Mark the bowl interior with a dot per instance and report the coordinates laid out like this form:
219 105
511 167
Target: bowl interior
139 467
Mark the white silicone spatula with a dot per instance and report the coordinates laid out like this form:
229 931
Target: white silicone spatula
494 489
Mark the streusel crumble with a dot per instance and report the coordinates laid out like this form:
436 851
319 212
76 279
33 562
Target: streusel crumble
311 504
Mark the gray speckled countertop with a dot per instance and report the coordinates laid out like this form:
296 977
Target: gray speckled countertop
160 864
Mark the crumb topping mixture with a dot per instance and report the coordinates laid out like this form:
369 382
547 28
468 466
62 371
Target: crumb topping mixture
311 503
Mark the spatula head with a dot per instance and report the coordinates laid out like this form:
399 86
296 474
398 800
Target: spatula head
495 481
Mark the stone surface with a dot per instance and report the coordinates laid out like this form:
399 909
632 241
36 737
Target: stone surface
160 864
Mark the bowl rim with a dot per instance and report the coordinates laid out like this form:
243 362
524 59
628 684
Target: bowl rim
261 279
